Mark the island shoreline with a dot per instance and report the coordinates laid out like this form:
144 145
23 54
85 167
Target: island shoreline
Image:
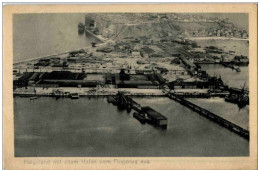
216 38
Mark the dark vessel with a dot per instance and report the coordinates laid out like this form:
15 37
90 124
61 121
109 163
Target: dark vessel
241 60
140 117
110 99
231 98
237 69
33 98
212 49
81 28
243 101
93 44
74 96
155 117
238 96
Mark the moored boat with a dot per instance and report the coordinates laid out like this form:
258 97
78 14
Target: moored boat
33 98
110 99
238 70
140 117
231 99
241 60
74 96
81 28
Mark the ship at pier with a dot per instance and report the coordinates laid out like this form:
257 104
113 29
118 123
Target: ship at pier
81 28
238 96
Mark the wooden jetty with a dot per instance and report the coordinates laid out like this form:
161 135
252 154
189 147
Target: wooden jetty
222 122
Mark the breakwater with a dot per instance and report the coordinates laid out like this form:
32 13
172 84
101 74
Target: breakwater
227 124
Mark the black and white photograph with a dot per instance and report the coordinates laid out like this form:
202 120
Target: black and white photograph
131 84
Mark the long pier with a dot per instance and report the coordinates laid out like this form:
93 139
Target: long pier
222 122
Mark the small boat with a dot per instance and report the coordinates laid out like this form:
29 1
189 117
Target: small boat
81 28
93 44
231 99
110 99
113 100
140 117
33 98
74 96
238 69
243 100
57 97
224 64
128 108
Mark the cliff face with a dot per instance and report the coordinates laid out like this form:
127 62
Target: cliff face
154 30
120 31
123 25
120 27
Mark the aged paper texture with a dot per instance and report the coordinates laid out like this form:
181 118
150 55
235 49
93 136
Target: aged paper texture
77 80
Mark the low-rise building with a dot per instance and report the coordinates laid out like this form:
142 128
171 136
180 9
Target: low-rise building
241 58
136 54
198 58
217 59
224 58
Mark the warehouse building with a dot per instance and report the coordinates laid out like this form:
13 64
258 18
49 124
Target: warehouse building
144 81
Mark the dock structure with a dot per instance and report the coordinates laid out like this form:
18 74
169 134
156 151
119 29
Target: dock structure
222 122
127 102
155 117
147 114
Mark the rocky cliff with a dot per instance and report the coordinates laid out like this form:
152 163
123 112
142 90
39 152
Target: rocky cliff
124 25
118 26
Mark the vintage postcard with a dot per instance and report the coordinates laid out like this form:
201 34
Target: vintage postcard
152 86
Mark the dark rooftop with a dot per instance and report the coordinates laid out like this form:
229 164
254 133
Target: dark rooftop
64 75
